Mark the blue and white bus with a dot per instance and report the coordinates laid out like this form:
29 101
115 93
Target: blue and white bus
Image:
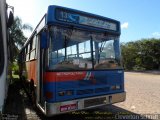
73 61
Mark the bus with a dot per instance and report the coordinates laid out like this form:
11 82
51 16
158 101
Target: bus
5 22
72 61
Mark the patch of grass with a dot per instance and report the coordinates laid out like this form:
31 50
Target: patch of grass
15 76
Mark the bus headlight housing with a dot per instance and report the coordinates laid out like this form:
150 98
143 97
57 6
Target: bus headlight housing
61 93
115 87
118 87
67 92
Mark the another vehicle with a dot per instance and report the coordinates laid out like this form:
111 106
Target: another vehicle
5 23
73 62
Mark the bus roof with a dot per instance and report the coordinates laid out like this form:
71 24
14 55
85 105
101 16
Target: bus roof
57 15
70 17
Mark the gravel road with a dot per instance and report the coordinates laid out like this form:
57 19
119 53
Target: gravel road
143 97
143 93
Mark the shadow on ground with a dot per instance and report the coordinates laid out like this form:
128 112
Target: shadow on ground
109 112
14 105
18 104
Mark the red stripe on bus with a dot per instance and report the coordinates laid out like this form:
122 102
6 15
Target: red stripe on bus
63 76
50 77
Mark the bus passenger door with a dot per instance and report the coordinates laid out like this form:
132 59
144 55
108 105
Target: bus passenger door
40 69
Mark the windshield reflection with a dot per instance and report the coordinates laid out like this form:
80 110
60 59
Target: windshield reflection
81 50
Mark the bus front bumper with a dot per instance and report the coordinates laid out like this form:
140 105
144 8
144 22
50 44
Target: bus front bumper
80 104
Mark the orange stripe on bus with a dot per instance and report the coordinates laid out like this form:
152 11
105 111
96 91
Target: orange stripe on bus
31 70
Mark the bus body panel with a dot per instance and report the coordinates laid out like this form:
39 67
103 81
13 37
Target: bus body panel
30 72
82 103
82 84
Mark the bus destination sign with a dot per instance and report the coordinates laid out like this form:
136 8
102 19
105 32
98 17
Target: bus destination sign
85 20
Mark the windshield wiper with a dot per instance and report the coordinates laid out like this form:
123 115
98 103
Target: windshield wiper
65 47
102 46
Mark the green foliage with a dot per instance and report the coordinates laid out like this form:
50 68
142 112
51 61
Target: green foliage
15 68
16 37
17 34
141 55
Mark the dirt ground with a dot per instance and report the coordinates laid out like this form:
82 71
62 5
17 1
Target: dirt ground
143 98
143 93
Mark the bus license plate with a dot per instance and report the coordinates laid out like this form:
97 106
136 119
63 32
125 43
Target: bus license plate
68 107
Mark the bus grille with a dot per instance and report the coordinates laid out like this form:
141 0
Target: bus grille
99 90
83 92
93 102
92 91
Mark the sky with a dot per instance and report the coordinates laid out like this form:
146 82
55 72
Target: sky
139 18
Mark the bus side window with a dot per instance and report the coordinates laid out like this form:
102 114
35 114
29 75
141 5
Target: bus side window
26 49
35 45
27 54
24 55
33 50
31 43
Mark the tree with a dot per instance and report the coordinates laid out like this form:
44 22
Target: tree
129 55
17 38
141 55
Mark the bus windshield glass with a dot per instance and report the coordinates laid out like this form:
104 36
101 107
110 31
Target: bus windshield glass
72 49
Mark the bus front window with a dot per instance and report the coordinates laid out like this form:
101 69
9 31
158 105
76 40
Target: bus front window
69 49
107 55
80 50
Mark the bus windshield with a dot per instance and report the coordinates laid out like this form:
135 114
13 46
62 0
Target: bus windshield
72 49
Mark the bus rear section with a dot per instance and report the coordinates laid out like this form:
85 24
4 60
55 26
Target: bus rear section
78 61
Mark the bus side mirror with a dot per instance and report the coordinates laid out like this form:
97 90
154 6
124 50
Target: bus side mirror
43 40
10 19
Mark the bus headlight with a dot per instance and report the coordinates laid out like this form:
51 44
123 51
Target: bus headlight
115 87
67 92
118 86
62 93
